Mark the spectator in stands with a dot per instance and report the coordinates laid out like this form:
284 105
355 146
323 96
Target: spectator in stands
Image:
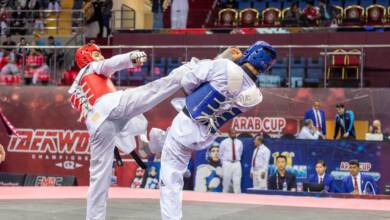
104 21
22 3
2 154
179 13
230 151
230 4
51 53
19 21
310 14
358 183
9 42
327 13
282 179
317 116
344 123
292 16
322 177
39 24
54 6
375 128
260 161
33 63
158 12
3 20
92 14
309 131
10 68
22 52
38 40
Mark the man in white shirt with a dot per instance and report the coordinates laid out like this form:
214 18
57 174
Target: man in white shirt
230 153
260 161
309 132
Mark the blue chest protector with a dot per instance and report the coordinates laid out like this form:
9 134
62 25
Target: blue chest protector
204 105
213 175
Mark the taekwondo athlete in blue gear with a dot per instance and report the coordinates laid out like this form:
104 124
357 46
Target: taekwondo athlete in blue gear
218 90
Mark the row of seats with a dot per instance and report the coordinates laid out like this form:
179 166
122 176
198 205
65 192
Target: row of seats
351 15
280 4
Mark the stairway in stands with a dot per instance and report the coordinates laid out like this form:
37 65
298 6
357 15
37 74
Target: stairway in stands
64 25
198 10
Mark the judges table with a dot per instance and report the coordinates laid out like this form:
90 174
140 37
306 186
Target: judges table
314 194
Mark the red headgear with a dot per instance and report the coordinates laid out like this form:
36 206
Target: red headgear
84 54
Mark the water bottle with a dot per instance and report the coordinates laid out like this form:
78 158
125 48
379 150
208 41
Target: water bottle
284 186
299 186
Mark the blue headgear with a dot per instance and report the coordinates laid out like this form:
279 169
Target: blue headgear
261 55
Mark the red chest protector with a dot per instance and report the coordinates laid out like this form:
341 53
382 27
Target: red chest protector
92 87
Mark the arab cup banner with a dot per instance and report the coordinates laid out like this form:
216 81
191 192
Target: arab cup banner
47 140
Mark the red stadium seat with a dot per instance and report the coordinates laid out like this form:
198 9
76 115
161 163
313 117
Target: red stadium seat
376 15
271 17
353 15
249 17
227 17
339 61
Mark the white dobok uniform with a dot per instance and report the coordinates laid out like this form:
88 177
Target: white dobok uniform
114 118
260 162
218 90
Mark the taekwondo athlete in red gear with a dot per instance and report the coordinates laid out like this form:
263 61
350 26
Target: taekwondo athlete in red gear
218 90
113 117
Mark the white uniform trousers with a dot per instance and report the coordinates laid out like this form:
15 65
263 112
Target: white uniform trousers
258 182
174 162
231 175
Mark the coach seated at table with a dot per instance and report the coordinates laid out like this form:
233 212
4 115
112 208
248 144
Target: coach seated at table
282 179
321 177
358 183
309 132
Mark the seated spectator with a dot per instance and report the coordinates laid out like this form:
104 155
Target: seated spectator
22 52
292 17
3 21
327 13
39 24
322 177
8 42
358 183
34 61
282 179
344 123
54 7
309 132
50 53
10 68
19 21
230 4
41 74
375 128
310 14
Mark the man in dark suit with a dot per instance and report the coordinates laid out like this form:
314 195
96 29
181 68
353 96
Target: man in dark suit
282 179
317 116
358 183
322 177
344 123
327 13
